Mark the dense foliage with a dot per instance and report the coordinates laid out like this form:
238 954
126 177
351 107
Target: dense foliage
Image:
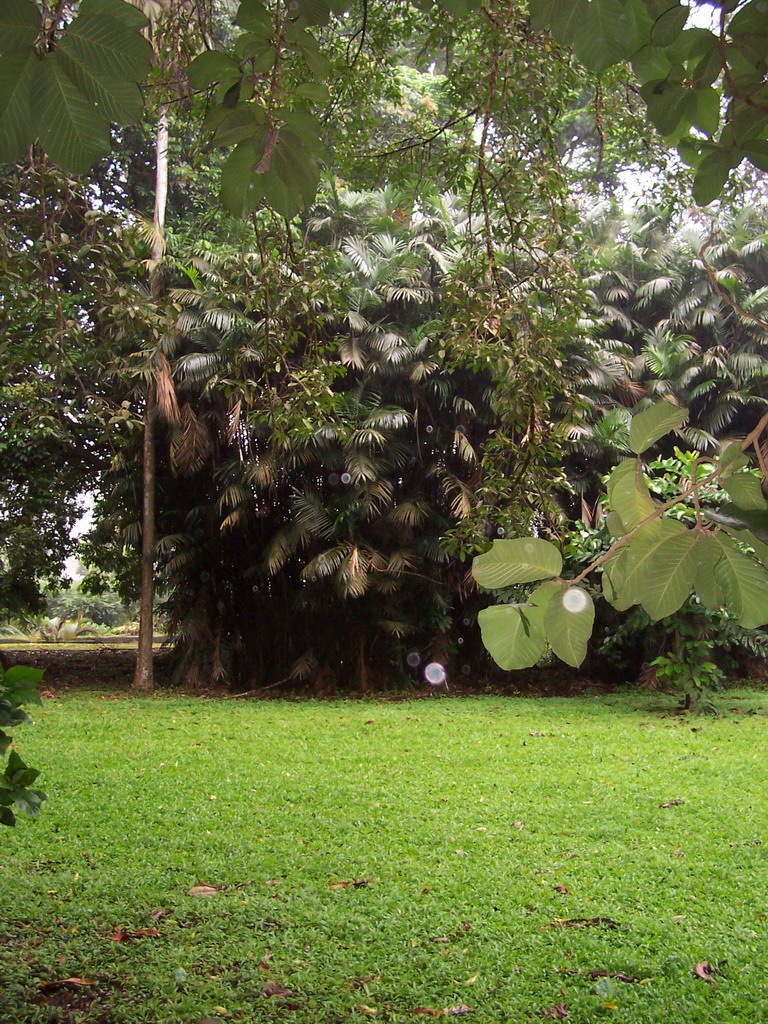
349 392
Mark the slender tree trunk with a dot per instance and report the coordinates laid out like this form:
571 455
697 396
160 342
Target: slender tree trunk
143 678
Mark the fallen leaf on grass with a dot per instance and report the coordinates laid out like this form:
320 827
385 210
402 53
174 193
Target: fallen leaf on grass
559 1011
205 890
620 976
455 1011
141 933
584 922
67 981
561 888
370 1010
705 971
356 883
519 825
426 1011
672 803
276 990
157 914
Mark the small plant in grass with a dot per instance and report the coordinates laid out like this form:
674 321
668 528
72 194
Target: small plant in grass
18 686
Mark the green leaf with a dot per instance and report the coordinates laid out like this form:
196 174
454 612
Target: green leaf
562 19
20 24
732 460
648 426
614 574
628 496
745 584
667 576
705 583
238 124
604 35
119 100
106 46
522 560
643 581
760 548
745 490
210 67
73 133
126 13
513 634
568 620
668 26
651 64
291 183
18 77
253 16
312 12
712 174
239 194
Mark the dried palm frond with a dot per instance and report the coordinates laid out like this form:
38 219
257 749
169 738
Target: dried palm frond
165 392
190 443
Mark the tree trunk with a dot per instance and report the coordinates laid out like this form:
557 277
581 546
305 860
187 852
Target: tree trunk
143 678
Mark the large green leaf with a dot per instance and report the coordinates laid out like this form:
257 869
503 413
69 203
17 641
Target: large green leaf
72 131
745 491
118 99
641 581
513 634
605 34
239 194
649 425
522 560
291 183
123 11
627 494
106 46
667 576
705 582
745 585
712 174
210 67
18 77
732 460
19 25
568 620
614 574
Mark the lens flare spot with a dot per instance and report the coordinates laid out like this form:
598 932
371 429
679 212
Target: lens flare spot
413 659
575 600
434 673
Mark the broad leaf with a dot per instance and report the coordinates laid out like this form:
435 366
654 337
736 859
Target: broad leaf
712 174
648 426
709 552
614 574
253 16
568 620
106 46
745 584
513 634
605 34
628 495
239 195
667 576
119 100
732 460
20 23
745 490
72 131
522 560
18 77
210 67
641 582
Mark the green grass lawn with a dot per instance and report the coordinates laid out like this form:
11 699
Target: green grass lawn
469 831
